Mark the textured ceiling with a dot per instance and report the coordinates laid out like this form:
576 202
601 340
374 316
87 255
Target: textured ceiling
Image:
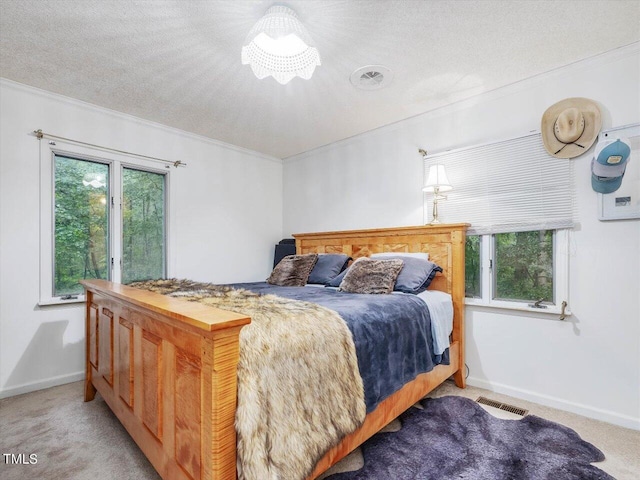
177 62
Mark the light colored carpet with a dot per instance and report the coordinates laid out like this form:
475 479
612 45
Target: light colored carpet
72 439
77 440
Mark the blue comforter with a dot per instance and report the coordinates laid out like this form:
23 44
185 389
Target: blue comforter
392 334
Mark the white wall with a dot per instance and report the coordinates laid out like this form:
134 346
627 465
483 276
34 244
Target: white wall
589 363
225 217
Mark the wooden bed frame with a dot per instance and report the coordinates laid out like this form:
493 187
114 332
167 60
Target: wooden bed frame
167 367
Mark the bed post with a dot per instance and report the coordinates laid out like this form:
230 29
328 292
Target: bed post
458 241
219 400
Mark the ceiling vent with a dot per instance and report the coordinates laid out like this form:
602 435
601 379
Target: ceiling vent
371 77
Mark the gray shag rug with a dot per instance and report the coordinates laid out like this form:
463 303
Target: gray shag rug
454 438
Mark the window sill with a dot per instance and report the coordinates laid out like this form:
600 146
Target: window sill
521 307
49 302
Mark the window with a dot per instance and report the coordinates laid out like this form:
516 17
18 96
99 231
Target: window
473 268
523 263
520 204
142 225
102 219
517 269
81 223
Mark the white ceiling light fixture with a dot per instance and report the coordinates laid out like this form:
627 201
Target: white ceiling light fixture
279 45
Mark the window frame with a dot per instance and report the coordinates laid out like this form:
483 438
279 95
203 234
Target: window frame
561 238
116 163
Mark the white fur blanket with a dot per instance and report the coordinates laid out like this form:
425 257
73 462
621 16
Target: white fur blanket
299 388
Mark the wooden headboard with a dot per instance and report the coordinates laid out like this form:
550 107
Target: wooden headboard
444 243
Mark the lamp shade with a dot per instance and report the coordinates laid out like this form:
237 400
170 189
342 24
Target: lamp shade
437 179
279 45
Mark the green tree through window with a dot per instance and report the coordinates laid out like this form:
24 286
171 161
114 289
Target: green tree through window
143 235
472 267
524 265
81 246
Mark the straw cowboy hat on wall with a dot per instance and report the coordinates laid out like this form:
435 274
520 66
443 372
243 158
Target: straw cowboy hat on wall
570 127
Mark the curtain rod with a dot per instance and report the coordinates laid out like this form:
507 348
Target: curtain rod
39 134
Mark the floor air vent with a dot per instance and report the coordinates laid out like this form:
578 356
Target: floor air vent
502 406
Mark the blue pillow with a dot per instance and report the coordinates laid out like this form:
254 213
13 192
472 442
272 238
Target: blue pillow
336 281
416 274
328 266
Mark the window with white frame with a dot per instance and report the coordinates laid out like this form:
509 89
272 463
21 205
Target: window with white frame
520 204
519 270
102 218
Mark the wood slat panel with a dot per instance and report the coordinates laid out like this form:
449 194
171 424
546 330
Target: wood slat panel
152 383
187 413
90 324
168 401
366 250
125 361
440 254
105 345
397 248
184 340
93 335
138 384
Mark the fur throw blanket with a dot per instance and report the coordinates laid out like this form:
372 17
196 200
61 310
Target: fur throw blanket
299 387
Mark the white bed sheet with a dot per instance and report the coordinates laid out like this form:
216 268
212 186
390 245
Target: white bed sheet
441 309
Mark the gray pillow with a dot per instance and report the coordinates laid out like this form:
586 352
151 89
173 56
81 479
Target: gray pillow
416 275
293 270
371 276
328 266
336 281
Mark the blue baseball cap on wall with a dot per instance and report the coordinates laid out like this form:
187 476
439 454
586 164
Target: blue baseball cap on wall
608 164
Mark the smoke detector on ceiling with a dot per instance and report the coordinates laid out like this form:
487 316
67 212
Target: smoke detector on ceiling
371 77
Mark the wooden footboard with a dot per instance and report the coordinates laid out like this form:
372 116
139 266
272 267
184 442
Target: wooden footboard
167 367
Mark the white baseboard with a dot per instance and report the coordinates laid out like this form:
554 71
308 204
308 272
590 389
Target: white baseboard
41 384
585 410
581 409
